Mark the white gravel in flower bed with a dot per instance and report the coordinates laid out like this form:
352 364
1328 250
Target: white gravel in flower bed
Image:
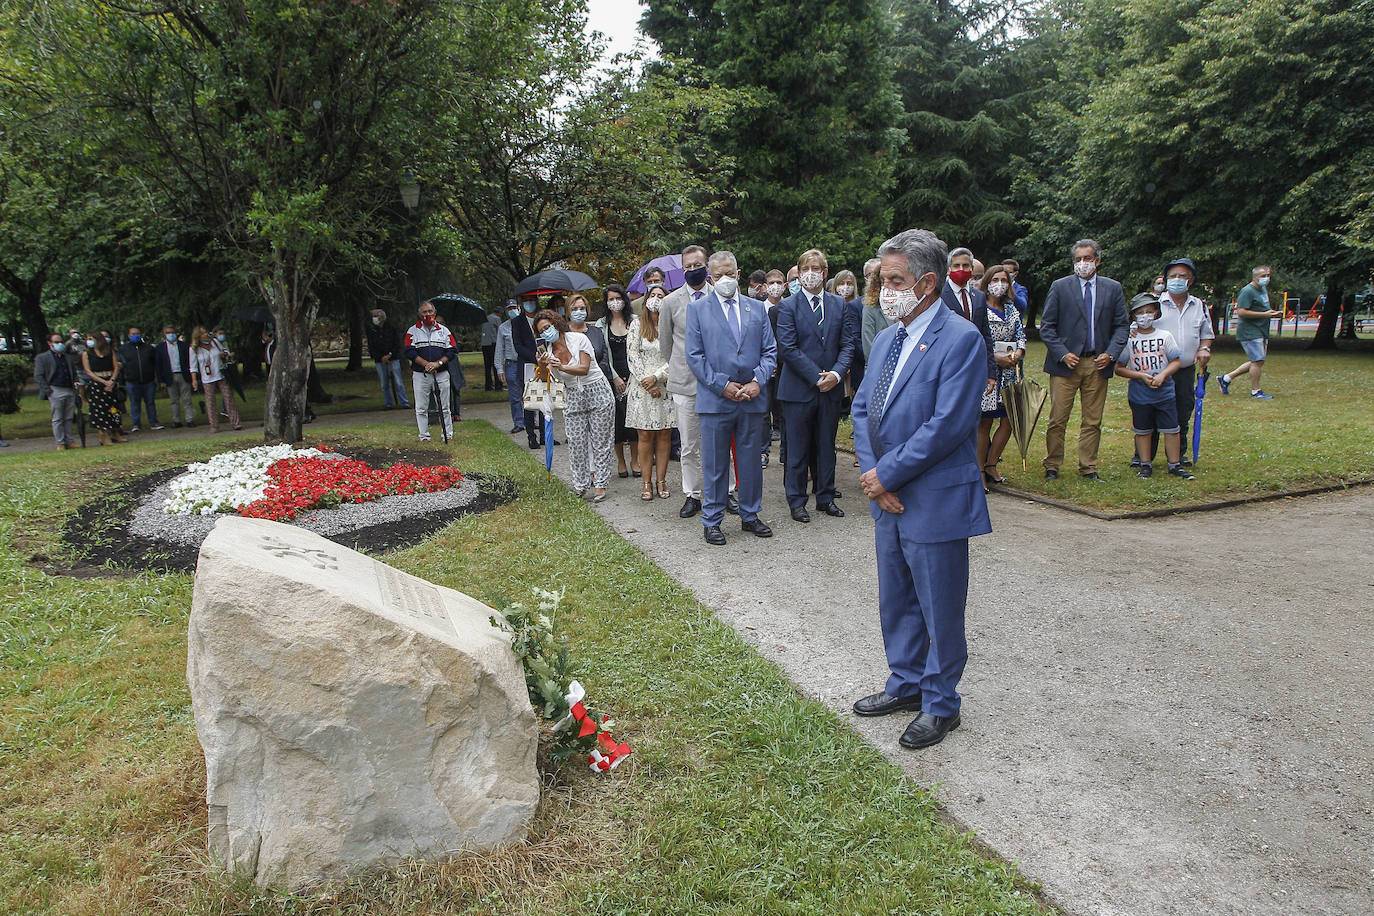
151 521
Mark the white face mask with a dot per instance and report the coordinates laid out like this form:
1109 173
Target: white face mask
846 291
615 305
726 287
1145 321
998 289
898 303
775 290
652 303
1159 287
376 322
578 315
811 280
1084 269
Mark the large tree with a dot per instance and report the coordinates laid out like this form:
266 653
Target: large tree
813 149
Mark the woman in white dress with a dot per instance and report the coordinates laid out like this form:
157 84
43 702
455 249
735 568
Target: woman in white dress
649 409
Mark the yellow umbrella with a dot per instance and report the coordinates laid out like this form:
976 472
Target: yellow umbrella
1023 400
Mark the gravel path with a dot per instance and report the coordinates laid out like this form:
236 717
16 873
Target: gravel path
1170 716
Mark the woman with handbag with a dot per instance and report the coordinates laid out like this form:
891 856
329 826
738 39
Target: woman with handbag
589 420
649 409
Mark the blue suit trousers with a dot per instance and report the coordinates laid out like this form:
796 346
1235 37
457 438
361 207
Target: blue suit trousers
748 431
922 588
809 430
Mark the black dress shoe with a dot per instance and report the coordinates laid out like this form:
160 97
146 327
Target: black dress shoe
759 528
926 730
732 504
1051 474
713 536
838 494
624 474
516 429
690 507
535 443
832 510
800 514
880 704
1092 476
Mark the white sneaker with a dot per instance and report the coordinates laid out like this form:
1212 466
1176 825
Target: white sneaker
135 428
156 427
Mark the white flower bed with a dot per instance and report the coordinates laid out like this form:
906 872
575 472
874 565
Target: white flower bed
228 480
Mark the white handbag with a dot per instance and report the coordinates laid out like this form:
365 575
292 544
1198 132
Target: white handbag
536 389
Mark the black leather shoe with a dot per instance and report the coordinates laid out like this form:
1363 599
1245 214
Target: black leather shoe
516 429
880 704
1092 476
1051 474
758 527
690 507
926 730
732 504
838 494
800 514
713 536
535 443
831 510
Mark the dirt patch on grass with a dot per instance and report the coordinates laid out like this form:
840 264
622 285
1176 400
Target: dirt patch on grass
96 540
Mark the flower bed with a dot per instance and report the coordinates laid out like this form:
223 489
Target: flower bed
228 480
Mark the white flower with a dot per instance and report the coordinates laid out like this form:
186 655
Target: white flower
228 480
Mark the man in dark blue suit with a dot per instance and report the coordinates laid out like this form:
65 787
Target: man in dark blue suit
526 354
915 432
817 339
962 295
1084 328
732 354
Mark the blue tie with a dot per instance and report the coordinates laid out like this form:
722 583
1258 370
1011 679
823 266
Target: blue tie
1088 304
734 318
880 390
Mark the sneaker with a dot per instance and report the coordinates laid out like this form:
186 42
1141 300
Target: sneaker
1146 470
1224 384
1261 396
1180 471
135 428
1185 462
1135 461
424 438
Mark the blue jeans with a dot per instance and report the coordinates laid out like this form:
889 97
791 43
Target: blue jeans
391 377
515 393
141 393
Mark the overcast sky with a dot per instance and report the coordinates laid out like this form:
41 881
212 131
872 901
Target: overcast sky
617 19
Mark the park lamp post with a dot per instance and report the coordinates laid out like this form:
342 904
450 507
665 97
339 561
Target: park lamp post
410 196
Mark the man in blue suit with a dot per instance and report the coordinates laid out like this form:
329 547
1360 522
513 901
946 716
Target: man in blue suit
1084 328
817 339
915 432
960 293
731 351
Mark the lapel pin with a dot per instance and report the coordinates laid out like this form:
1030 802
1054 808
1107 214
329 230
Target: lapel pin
923 346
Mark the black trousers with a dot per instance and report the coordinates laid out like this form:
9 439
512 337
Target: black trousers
490 381
809 429
1185 380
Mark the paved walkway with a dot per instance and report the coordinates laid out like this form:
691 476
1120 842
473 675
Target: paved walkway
1170 716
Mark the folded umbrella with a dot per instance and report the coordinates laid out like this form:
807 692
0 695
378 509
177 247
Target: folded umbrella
1024 400
1198 394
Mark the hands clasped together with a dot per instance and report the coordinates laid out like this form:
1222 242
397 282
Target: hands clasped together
737 392
874 490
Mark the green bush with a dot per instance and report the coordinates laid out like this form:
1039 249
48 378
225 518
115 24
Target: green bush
15 372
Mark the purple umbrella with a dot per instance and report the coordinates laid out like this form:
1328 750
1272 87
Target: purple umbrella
670 264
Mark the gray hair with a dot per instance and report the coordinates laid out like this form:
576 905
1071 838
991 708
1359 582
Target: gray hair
923 250
720 257
380 313
1255 272
691 248
1085 243
956 252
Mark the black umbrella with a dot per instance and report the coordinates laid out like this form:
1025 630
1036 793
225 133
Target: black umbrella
460 309
259 313
555 281
235 380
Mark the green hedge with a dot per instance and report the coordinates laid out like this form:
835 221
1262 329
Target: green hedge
15 372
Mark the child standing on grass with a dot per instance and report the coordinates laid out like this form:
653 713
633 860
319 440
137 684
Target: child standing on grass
1150 359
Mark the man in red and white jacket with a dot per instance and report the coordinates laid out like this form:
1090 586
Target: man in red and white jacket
430 347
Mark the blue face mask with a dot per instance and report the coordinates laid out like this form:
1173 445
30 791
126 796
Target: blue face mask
511 313
529 307
793 286
550 335
59 347
1176 285
221 338
135 338
171 338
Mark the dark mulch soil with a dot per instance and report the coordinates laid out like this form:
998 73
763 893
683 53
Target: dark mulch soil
98 543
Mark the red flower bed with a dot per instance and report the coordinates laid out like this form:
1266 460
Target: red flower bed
300 484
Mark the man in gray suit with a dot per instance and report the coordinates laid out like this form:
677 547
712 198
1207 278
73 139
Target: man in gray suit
1084 327
682 384
55 370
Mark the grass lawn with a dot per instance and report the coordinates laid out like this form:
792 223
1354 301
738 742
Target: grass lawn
1318 430
742 796
352 392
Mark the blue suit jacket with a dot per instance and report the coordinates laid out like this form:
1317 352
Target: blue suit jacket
978 304
1064 323
806 349
716 360
926 447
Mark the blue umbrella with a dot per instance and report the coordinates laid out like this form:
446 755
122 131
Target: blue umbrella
670 264
1198 394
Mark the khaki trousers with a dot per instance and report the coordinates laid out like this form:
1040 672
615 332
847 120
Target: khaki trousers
1087 379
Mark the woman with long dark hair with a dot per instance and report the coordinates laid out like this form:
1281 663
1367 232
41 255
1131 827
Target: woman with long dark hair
615 325
101 366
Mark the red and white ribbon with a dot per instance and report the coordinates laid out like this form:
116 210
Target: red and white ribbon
608 754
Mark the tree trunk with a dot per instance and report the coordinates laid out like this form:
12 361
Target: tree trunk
355 334
1348 320
288 295
30 298
1325 338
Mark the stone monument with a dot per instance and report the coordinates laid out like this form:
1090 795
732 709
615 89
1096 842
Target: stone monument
351 715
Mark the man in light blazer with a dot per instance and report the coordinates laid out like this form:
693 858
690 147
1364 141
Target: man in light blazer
682 384
732 354
1084 327
817 337
915 432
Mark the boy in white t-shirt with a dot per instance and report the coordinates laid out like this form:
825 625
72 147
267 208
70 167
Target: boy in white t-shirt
1150 359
